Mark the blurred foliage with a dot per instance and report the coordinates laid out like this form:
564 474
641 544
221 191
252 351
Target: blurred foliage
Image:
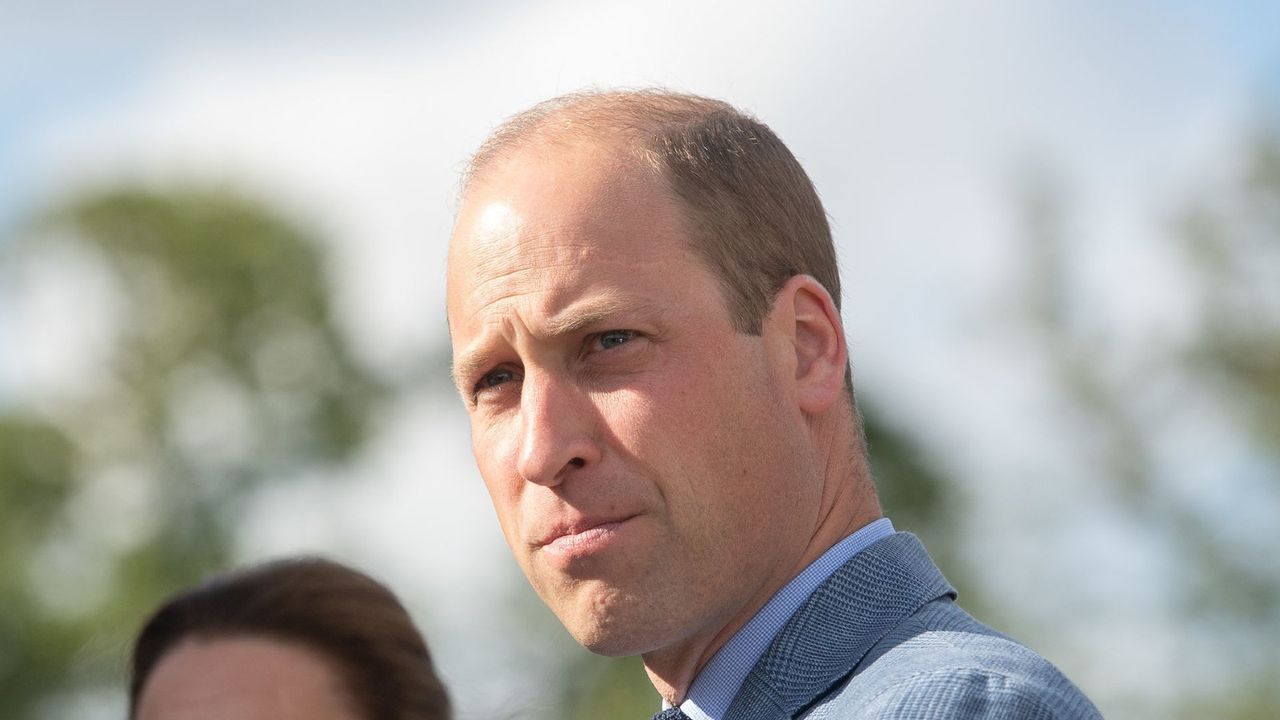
912 489
226 371
1140 398
609 687
1235 244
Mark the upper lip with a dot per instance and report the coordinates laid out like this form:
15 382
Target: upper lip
573 526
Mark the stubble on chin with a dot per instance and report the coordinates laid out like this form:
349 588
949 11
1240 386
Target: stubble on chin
612 622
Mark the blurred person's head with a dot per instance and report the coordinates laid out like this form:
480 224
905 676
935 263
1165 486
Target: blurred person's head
643 303
287 640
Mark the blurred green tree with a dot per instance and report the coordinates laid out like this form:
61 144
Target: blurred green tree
1212 385
226 371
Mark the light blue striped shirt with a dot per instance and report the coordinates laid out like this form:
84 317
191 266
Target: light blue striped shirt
715 687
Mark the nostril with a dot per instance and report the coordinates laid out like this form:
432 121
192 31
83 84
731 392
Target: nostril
577 462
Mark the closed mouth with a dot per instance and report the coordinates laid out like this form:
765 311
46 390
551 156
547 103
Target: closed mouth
580 536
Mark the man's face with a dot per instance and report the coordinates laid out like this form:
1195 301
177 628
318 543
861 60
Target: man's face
643 456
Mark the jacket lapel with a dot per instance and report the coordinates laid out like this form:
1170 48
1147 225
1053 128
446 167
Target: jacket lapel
843 619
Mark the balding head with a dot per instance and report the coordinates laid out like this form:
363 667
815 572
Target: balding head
753 213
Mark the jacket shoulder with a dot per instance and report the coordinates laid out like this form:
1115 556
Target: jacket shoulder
941 663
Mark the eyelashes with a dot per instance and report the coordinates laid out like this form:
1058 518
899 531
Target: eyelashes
596 343
611 339
494 378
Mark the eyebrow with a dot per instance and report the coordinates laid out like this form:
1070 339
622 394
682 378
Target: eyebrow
577 318
570 322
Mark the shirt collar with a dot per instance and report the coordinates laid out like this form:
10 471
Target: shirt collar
715 686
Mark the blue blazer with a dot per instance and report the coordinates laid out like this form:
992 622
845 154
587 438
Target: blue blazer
883 638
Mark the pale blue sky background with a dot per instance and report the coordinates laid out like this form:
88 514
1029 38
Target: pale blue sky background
916 120
64 58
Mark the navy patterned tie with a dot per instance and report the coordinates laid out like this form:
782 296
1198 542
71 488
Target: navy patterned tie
671 714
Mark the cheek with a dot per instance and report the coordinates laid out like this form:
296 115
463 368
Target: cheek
495 459
662 411
506 505
628 421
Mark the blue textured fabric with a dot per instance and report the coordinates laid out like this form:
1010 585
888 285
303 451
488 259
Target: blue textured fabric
672 713
883 638
716 685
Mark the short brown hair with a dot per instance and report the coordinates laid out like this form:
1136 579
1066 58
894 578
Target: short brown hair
350 618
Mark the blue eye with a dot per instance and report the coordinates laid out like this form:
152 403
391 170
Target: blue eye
614 338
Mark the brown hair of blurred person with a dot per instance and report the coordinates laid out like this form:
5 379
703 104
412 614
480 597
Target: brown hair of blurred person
353 623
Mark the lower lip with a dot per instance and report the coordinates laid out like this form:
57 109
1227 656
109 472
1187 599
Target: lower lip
584 543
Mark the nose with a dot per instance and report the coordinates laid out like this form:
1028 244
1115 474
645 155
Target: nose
557 437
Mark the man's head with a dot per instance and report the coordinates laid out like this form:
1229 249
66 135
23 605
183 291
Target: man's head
654 375
752 212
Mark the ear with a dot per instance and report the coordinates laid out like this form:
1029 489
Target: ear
805 315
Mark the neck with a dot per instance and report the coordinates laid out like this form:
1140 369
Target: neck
672 669
846 506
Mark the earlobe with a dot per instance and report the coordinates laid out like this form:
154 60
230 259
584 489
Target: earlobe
818 342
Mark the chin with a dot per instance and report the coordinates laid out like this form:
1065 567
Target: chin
617 634
613 644
613 620
624 636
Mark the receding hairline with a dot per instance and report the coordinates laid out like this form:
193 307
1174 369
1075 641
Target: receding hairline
628 122
734 183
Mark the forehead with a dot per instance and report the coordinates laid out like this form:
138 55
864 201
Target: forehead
557 220
244 678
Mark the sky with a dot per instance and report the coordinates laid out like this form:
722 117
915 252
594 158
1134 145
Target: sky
920 123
